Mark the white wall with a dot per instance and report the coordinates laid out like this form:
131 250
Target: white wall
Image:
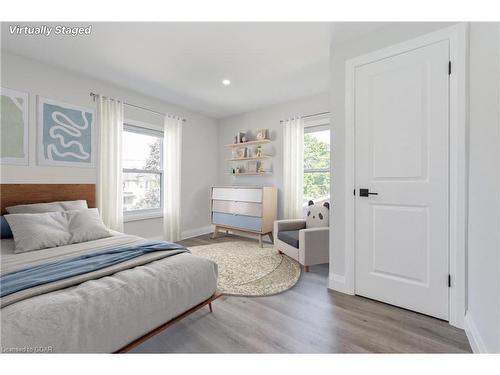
266 118
339 53
483 314
199 158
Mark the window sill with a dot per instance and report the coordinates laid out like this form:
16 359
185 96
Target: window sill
127 217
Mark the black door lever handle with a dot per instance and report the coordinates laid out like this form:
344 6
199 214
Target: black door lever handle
365 193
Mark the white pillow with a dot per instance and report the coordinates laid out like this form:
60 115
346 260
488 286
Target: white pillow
38 231
38 208
86 225
51 229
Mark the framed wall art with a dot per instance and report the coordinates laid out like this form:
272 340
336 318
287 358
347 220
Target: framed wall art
65 134
14 127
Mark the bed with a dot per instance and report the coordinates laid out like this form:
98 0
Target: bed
107 313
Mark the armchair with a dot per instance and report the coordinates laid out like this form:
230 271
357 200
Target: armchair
308 246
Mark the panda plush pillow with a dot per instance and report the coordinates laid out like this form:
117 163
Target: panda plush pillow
317 215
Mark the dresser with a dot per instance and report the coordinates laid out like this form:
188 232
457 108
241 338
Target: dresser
249 209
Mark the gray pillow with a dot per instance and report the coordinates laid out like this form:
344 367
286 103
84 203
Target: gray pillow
51 229
38 208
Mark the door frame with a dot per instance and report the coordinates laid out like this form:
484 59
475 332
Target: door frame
458 164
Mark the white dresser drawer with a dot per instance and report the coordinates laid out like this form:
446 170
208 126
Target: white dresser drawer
238 195
240 208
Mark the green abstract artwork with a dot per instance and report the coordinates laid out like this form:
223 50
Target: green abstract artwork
14 127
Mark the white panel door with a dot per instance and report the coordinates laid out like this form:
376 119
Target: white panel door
402 135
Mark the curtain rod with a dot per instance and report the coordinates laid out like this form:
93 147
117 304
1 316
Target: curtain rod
313 115
94 95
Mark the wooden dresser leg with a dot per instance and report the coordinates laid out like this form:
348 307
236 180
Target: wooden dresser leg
214 236
210 306
306 268
271 237
260 240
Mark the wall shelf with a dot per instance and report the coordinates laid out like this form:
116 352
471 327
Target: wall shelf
249 143
250 158
249 173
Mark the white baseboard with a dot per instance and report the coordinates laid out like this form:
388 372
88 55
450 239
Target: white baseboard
196 232
337 283
475 340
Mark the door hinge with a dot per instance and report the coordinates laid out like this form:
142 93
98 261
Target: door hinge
449 68
449 281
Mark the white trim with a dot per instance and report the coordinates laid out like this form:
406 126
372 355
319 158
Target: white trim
337 282
144 214
196 232
457 37
142 124
317 122
143 128
475 340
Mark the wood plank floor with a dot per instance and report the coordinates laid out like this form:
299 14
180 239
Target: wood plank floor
309 318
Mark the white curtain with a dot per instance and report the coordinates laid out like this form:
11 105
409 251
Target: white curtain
109 184
172 151
293 167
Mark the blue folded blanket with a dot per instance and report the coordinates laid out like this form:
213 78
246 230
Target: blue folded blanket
53 271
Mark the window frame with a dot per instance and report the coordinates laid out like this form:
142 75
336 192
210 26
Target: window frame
145 213
312 126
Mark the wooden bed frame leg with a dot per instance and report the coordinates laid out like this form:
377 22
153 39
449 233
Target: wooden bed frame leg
210 307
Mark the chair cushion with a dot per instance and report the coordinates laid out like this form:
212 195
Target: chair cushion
291 237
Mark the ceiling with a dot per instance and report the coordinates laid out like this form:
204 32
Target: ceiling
184 63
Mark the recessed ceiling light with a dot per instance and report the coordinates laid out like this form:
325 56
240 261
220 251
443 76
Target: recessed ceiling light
226 82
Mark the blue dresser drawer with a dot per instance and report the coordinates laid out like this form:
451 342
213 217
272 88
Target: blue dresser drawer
238 221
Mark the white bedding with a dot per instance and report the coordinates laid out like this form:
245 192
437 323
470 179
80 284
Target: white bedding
105 314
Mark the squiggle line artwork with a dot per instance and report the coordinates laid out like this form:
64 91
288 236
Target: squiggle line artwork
65 124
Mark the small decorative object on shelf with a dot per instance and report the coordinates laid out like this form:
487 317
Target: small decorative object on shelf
258 151
261 134
242 153
252 166
261 168
241 137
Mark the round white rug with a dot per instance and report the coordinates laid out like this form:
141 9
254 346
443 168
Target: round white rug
246 269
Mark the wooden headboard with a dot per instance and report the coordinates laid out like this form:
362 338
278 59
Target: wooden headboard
13 194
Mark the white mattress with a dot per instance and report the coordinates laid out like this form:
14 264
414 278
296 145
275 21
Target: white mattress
105 314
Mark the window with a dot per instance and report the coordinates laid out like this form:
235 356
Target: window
142 173
317 163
